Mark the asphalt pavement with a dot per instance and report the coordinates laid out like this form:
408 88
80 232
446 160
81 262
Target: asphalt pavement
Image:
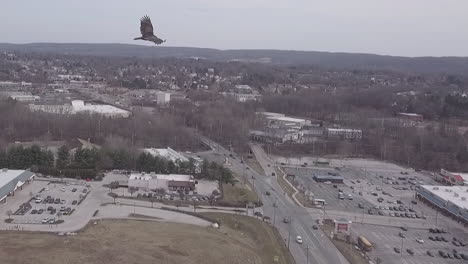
316 248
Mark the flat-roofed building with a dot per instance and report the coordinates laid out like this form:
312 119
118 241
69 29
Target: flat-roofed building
344 133
451 200
168 182
11 180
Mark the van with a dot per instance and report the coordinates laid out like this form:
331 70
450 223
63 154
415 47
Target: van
350 197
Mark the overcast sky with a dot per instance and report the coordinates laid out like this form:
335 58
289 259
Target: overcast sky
390 27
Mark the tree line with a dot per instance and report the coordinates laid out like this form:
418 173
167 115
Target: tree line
89 163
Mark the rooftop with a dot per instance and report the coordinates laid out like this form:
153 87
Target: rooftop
168 177
8 176
457 195
286 119
167 153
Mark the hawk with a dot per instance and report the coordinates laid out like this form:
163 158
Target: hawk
146 29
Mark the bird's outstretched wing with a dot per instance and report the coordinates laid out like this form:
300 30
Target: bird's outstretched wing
146 28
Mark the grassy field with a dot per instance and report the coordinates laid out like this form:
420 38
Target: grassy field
264 241
129 241
238 193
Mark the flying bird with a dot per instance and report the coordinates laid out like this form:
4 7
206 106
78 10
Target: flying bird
146 29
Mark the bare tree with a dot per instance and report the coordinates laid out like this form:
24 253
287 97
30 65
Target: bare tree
132 190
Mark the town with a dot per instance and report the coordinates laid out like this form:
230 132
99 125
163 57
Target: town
287 164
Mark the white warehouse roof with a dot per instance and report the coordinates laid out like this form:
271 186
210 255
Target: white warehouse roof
457 195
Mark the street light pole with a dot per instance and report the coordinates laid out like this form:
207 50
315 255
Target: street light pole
274 211
289 230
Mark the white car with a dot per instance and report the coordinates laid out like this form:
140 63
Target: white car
419 240
45 220
299 239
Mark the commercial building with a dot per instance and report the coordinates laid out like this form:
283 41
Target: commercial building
163 98
23 97
411 116
275 136
450 200
452 178
79 106
328 178
344 133
243 97
168 182
11 180
166 153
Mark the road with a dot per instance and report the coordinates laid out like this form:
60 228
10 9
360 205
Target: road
317 248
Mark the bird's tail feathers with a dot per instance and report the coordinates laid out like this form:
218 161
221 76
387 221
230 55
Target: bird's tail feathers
138 38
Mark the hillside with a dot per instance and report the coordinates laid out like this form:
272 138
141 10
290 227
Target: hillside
453 65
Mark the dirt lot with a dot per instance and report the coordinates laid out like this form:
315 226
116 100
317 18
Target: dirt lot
128 241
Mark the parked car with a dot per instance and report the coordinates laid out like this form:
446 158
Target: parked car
74 202
397 250
286 220
401 235
299 239
430 254
404 228
410 251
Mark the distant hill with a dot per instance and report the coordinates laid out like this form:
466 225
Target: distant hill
452 65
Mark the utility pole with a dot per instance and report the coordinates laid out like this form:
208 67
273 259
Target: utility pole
274 211
289 230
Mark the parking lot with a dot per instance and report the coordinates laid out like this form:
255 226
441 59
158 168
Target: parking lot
329 192
50 203
376 188
411 246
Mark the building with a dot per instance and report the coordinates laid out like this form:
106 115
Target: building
11 180
328 178
23 97
167 153
168 182
79 106
344 133
275 136
286 121
105 110
163 98
453 178
243 97
450 200
411 116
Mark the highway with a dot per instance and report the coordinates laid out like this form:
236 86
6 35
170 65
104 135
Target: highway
317 248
